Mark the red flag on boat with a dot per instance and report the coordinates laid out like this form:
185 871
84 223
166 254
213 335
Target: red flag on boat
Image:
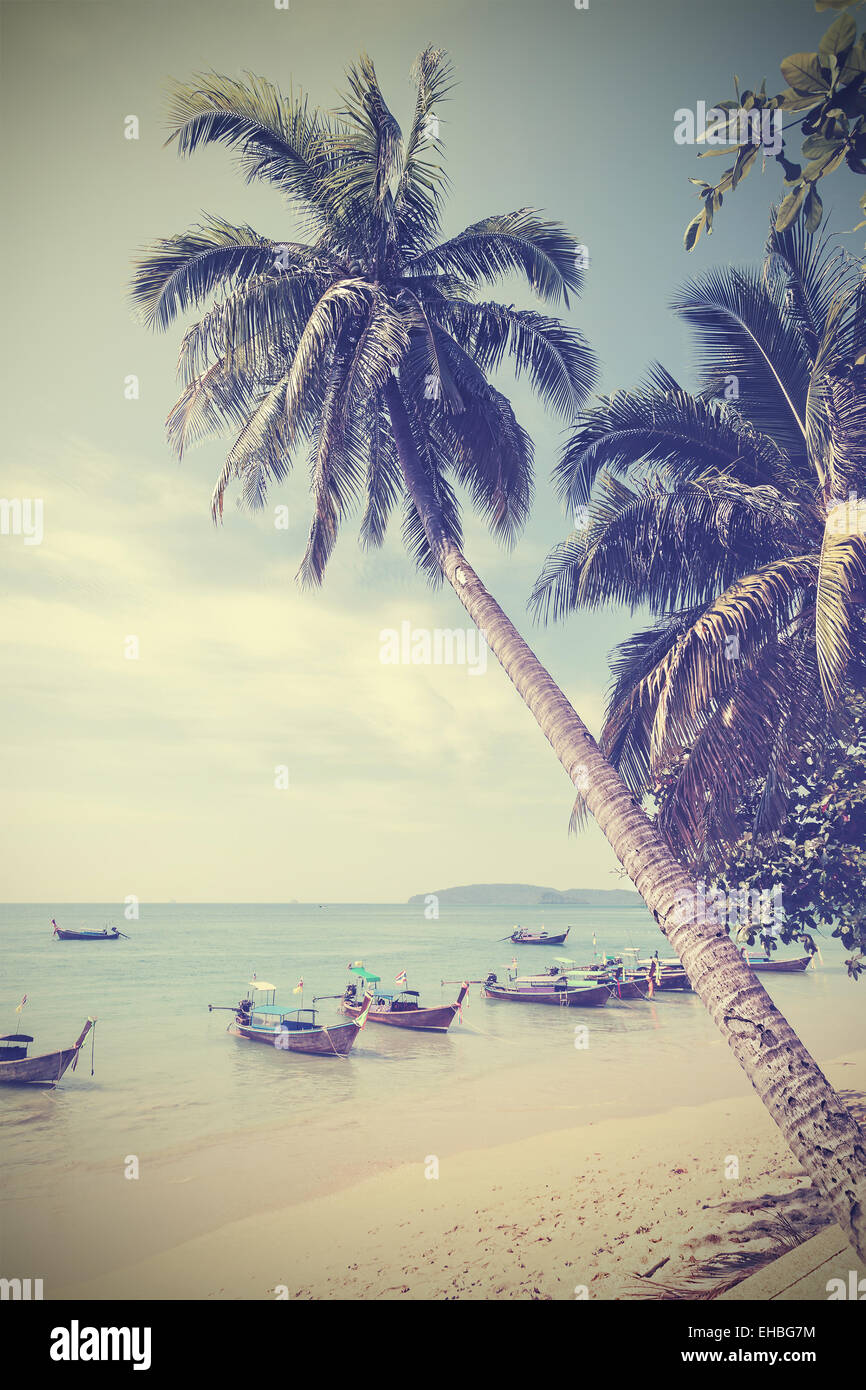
401 979
21 1005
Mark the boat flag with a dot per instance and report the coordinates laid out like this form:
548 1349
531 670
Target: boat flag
401 979
21 1005
299 988
594 941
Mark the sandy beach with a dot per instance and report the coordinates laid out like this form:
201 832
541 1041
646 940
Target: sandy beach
617 1209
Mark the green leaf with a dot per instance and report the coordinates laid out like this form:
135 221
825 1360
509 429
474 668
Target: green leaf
790 207
792 171
816 146
814 210
789 100
855 64
693 231
817 168
803 72
839 37
745 160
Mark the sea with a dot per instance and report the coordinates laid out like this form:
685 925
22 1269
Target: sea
167 1076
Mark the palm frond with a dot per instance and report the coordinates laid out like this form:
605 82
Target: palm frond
209 404
674 432
423 183
384 486
841 584
558 360
366 159
174 274
337 469
741 326
518 242
668 548
278 139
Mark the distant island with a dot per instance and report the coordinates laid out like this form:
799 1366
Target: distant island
529 895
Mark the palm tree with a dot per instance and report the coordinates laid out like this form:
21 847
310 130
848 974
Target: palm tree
727 513
366 344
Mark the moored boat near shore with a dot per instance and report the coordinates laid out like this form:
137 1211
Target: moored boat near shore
44 1070
400 1010
585 994
792 966
290 1030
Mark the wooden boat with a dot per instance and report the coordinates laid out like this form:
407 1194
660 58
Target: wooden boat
669 974
528 938
565 995
291 1030
401 1010
628 986
783 967
673 979
625 983
65 934
44 1070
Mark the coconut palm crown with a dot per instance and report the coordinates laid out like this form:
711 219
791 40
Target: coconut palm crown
314 344
737 515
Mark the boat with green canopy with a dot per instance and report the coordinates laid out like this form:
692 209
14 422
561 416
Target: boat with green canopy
400 1009
258 1018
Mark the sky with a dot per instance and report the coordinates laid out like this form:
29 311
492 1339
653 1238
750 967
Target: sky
257 748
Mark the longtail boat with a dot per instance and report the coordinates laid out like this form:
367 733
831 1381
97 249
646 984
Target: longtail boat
290 1030
401 1010
785 967
521 937
630 985
66 934
563 993
625 984
44 1070
669 974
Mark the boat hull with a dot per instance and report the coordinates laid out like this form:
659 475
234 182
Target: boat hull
592 997
63 934
782 967
677 979
436 1020
38 1071
317 1042
539 940
630 989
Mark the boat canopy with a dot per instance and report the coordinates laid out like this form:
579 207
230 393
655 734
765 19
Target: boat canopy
261 985
364 974
270 1009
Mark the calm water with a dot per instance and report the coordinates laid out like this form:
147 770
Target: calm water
168 1076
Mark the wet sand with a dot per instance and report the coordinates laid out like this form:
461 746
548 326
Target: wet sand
616 1209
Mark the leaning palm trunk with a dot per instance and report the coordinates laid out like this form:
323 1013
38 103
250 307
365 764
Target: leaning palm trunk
820 1130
